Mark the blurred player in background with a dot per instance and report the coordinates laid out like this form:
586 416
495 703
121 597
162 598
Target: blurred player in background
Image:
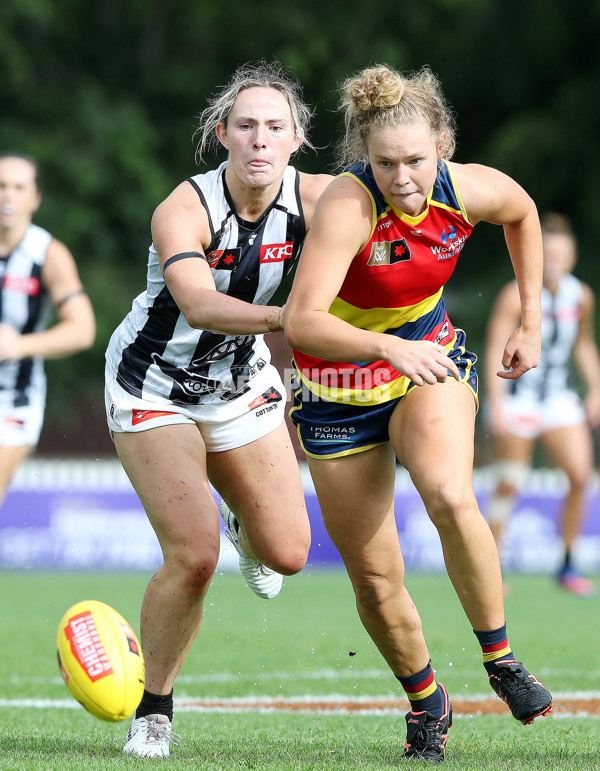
37 273
191 395
384 374
544 404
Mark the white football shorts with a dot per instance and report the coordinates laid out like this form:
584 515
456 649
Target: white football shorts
529 418
226 426
21 425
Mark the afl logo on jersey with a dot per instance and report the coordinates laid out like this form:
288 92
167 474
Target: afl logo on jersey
389 252
224 259
277 252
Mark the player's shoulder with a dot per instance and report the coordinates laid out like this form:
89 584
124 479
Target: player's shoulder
345 199
183 200
588 296
181 211
312 186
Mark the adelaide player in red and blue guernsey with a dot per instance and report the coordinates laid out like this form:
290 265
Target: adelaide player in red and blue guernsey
384 375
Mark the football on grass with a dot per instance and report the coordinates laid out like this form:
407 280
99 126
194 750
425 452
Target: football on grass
100 660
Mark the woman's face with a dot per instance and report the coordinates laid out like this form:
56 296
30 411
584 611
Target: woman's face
260 136
404 160
19 196
559 255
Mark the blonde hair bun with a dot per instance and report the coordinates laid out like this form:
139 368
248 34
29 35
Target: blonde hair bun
377 88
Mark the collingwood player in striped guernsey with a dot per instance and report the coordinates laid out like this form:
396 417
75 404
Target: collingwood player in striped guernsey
544 403
191 395
37 273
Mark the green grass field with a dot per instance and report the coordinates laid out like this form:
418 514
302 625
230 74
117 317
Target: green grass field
298 647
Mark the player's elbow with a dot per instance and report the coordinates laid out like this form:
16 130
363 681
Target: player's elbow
198 318
295 330
88 337
86 327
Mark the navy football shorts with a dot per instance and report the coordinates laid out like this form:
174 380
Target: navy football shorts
332 429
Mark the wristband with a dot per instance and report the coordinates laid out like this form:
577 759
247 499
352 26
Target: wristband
272 321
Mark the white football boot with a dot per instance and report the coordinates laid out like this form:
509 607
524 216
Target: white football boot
262 580
150 737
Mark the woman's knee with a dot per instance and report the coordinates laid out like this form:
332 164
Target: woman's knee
287 561
450 503
374 591
281 545
579 478
193 569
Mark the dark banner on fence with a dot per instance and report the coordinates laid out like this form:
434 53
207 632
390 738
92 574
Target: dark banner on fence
82 515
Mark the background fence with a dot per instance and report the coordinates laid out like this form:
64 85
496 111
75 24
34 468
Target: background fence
84 514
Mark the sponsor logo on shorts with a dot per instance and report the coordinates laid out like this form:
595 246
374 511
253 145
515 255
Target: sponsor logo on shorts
269 397
139 416
13 422
389 252
444 332
333 433
265 410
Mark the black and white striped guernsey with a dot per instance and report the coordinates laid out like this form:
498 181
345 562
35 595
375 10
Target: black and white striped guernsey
154 352
561 320
24 306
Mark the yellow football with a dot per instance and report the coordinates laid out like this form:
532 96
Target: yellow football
101 660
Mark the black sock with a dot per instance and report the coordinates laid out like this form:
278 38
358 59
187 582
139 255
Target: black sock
155 704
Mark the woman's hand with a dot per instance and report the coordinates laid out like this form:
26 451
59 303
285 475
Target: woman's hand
592 407
423 361
11 348
521 353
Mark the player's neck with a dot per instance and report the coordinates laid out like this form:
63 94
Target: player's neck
552 285
251 202
11 237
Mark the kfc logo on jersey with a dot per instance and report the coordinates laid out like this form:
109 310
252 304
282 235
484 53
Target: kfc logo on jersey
389 252
277 252
26 284
224 259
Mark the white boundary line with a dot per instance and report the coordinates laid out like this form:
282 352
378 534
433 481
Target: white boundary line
324 705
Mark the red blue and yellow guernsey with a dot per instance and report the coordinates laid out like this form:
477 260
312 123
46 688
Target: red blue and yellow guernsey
394 285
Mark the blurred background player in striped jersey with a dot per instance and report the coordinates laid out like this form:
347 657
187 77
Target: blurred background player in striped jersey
38 276
544 403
